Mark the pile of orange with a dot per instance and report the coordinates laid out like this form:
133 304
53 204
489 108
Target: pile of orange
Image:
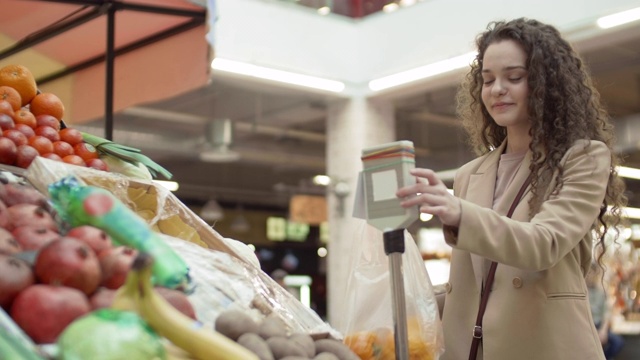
30 123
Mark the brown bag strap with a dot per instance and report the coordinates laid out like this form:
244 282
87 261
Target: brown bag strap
477 329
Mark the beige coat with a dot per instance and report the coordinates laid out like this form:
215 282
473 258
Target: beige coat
538 307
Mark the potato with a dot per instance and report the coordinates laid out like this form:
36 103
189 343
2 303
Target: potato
271 326
281 347
325 356
306 342
337 348
233 323
257 345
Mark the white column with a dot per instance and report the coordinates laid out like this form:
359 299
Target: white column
352 125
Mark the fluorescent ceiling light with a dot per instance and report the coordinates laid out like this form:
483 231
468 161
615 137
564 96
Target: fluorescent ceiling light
631 213
630 173
241 68
391 7
422 72
324 10
620 18
169 185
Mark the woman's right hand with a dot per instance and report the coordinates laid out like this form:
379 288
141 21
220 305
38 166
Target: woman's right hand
432 196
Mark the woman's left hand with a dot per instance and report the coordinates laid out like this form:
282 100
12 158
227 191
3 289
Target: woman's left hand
432 196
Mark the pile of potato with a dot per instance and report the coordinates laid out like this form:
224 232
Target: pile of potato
271 340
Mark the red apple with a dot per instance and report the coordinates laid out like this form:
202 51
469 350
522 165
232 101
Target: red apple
15 276
69 262
16 136
8 151
5 218
115 264
97 239
47 120
8 243
102 298
31 214
44 311
26 154
13 194
33 237
6 122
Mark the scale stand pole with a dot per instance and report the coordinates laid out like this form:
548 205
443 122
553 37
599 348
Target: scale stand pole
394 248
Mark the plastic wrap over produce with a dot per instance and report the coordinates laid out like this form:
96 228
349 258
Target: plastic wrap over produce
225 272
164 212
225 283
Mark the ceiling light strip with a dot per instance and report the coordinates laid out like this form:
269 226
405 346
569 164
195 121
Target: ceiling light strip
422 72
287 77
627 172
620 18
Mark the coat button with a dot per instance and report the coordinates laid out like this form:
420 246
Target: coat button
447 287
517 282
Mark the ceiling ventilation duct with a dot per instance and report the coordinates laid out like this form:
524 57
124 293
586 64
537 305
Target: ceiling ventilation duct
219 138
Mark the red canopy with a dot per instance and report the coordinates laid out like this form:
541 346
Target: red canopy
159 49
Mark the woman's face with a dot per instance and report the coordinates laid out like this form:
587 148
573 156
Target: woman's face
505 91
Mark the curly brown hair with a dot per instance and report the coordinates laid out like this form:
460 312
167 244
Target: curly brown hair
563 106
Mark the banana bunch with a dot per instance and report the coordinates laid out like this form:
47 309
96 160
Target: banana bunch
138 294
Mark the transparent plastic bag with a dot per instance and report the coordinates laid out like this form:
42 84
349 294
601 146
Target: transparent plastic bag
369 325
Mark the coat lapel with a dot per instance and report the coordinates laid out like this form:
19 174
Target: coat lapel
482 184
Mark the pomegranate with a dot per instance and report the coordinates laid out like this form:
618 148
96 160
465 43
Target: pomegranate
31 237
8 243
115 264
178 299
30 214
97 239
102 298
15 276
69 262
44 311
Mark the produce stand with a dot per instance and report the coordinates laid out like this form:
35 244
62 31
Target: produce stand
225 271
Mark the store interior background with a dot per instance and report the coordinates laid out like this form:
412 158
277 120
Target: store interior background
247 150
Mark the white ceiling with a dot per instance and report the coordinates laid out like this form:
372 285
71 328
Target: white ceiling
279 133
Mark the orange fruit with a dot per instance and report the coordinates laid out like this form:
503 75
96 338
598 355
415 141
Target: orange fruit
24 116
21 79
41 143
74 160
47 104
85 151
12 96
62 148
71 135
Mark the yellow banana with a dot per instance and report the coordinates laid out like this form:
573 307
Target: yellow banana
202 343
127 295
175 353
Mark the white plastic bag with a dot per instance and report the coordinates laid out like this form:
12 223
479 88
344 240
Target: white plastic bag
369 326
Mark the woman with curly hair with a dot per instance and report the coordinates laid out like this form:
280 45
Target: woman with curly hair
527 212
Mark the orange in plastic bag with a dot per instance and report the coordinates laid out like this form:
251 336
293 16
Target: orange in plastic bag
362 344
368 328
380 344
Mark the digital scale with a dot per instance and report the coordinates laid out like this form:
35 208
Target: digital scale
385 170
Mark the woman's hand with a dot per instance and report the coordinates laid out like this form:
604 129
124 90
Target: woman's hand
431 196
